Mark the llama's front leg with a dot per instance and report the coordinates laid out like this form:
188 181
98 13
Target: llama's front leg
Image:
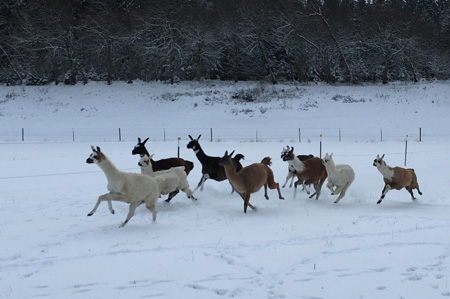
292 180
133 207
304 188
287 179
201 183
110 206
330 186
383 193
100 199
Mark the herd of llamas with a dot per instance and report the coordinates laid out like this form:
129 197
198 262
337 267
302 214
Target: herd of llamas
169 176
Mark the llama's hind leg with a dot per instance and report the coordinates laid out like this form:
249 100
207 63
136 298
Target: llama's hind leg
189 193
172 195
201 183
131 211
151 205
342 193
410 190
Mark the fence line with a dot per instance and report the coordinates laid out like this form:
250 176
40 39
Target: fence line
212 134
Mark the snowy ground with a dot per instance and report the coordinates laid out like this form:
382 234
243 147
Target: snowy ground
296 248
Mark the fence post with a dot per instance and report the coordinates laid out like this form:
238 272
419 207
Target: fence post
73 134
420 134
164 134
179 138
406 148
211 133
381 130
320 150
23 134
256 135
299 135
339 134
120 135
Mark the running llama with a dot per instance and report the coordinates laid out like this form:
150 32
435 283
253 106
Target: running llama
132 188
210 165
250 178
170 180
396 178
292 173
340 176
310 171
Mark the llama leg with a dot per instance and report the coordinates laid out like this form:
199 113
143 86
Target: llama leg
171 195
292 180
133 207
151 205
306 189
100 199
287 179
265 191
383 193
188 192
418 190
110 206
342 193
409 189
330 186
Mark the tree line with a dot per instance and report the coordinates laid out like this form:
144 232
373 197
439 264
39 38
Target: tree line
351 41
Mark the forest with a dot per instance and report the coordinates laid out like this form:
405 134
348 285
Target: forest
332 41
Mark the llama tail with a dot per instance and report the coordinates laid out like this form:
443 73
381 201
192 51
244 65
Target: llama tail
266 161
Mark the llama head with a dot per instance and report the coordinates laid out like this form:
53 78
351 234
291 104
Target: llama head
379 161
96 156
328 159
288 154
145 161
226 159
139 148
194 143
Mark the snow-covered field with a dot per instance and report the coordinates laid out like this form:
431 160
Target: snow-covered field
292 248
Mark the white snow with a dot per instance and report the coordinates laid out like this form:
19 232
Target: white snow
292 248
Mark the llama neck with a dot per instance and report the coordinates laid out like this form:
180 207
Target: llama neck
386 171
201 156
231 173
109 169
148 170
331 168
298 165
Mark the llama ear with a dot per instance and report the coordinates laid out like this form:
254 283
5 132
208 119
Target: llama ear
151 156
292 149
331 155
226 154
199 136
191 137
98 149
93 148
382 157
232 153
145 140
139 139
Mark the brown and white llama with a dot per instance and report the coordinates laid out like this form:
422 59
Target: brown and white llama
310 171
396 178
250 178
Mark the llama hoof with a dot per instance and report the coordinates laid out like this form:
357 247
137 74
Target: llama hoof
167 200
282 198
113 212
90 214
378 202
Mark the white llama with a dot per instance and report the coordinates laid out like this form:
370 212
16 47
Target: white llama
340 176
169 180
132 188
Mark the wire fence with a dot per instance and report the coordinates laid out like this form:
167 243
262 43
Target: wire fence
58 134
